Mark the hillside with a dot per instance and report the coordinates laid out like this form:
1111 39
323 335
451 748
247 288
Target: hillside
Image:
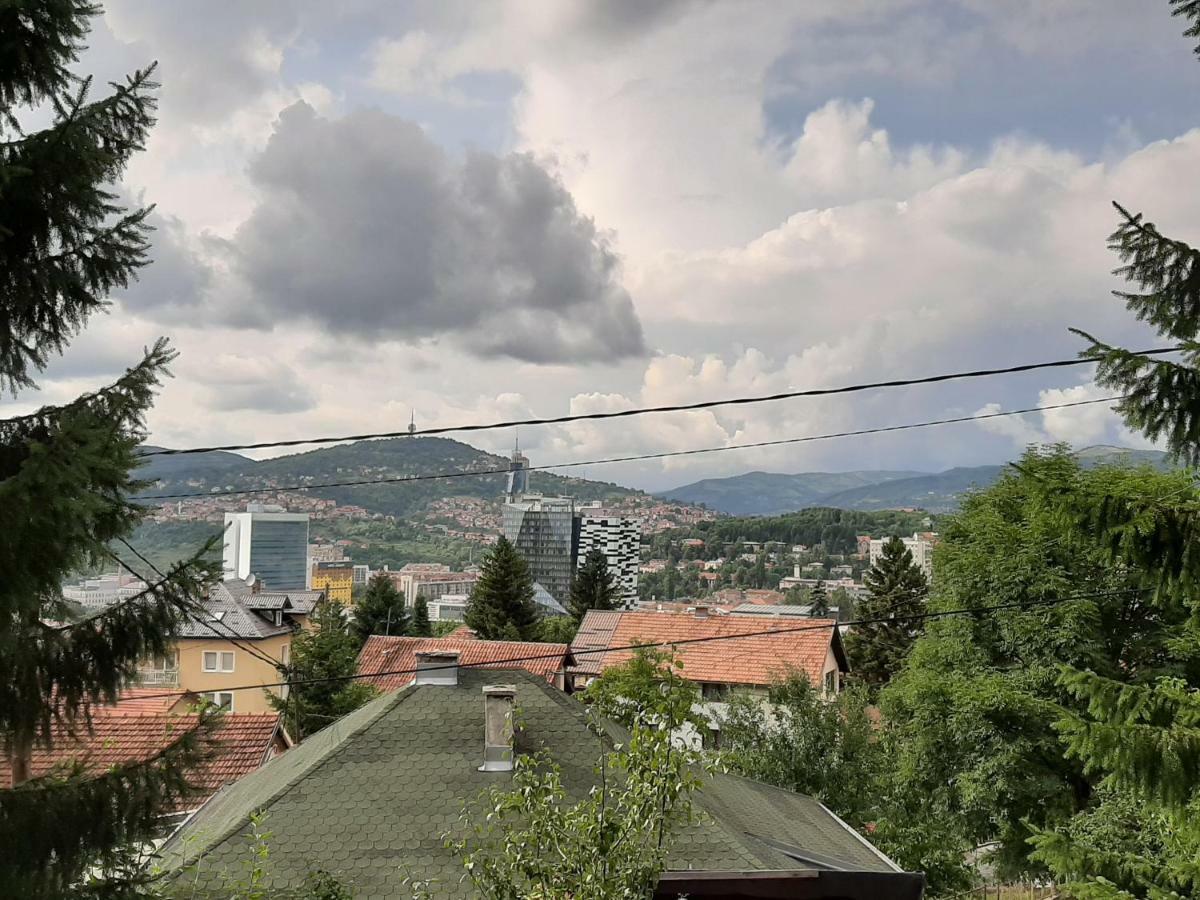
365 460
769 493
765 493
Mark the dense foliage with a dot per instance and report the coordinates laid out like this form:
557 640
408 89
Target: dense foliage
323 660
592 587
66 472
501 607
380 609
896 590
836 529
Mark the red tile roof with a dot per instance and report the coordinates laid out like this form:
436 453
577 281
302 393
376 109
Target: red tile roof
757 659
241 743
397 654
138 700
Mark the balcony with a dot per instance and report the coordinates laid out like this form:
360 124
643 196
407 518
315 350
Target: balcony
158 678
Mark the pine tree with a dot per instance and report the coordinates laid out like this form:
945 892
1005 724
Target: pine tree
323 659
818 601
896 590
380 609
501 605
1144 737
421 626
67 472
593 586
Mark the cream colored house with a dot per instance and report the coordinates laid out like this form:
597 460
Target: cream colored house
246 632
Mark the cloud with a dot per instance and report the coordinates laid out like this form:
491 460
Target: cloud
237 383
366 227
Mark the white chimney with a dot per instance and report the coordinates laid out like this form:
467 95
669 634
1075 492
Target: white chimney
796 570
701 612
498 728
438 667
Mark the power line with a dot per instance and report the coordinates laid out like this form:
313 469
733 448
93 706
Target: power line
646 410
400 479
196 614
1026 605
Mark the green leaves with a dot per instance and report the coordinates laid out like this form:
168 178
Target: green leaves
381 609
592 586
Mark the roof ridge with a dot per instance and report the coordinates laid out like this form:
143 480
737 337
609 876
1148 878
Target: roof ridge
386 703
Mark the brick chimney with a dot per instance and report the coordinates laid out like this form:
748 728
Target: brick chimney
436 667
498 730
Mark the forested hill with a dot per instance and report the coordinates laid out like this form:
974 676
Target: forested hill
366 460
837 529
766 493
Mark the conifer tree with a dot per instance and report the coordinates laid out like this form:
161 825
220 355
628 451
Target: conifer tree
593 586
67 473
896 591
501 605
818 601
380 609
421 626
323 659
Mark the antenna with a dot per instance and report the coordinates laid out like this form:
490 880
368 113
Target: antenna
412 423
516 440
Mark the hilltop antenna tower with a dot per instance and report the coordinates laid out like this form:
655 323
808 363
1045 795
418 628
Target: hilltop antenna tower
412 423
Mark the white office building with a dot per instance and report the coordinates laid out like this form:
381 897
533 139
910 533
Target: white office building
269 543
618 536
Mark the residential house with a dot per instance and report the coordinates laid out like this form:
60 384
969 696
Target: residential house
244 633
373 800
719 653
142 724
390 663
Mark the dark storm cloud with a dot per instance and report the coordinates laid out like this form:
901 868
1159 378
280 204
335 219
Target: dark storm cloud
369 229
176 277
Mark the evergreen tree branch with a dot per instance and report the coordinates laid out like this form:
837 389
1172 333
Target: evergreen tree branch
41 861
1189 9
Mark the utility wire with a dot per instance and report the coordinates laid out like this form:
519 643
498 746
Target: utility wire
232 636
400 479
505 663
646 410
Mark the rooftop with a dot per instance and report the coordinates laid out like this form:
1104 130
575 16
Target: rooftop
398 654
758 658
236 611
370 798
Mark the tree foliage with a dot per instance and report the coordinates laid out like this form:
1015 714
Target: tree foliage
420 625
502 605
67 472
323 661
978 712
646 689
380 609
818 601
804 743
610 845
896 591
592 587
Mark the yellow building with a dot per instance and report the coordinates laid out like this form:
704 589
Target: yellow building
335 579
247 631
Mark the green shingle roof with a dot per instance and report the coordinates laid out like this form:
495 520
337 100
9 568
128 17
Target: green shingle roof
370 798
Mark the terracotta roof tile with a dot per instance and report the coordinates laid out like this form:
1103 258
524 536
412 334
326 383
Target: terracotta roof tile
397 654
241 743
757 659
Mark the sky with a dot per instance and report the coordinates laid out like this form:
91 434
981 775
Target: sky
467 212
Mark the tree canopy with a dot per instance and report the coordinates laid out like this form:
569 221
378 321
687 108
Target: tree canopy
592 586
896 590
380 609
501 606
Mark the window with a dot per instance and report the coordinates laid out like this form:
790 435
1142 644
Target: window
831 682
168 663
217 662
222 699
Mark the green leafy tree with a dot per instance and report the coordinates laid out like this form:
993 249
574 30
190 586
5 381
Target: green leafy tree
808 744
818 601
592 587
646 689
978 711
67 472
535 840
323 659
896 591
557 630
380 609
501 605
421 626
